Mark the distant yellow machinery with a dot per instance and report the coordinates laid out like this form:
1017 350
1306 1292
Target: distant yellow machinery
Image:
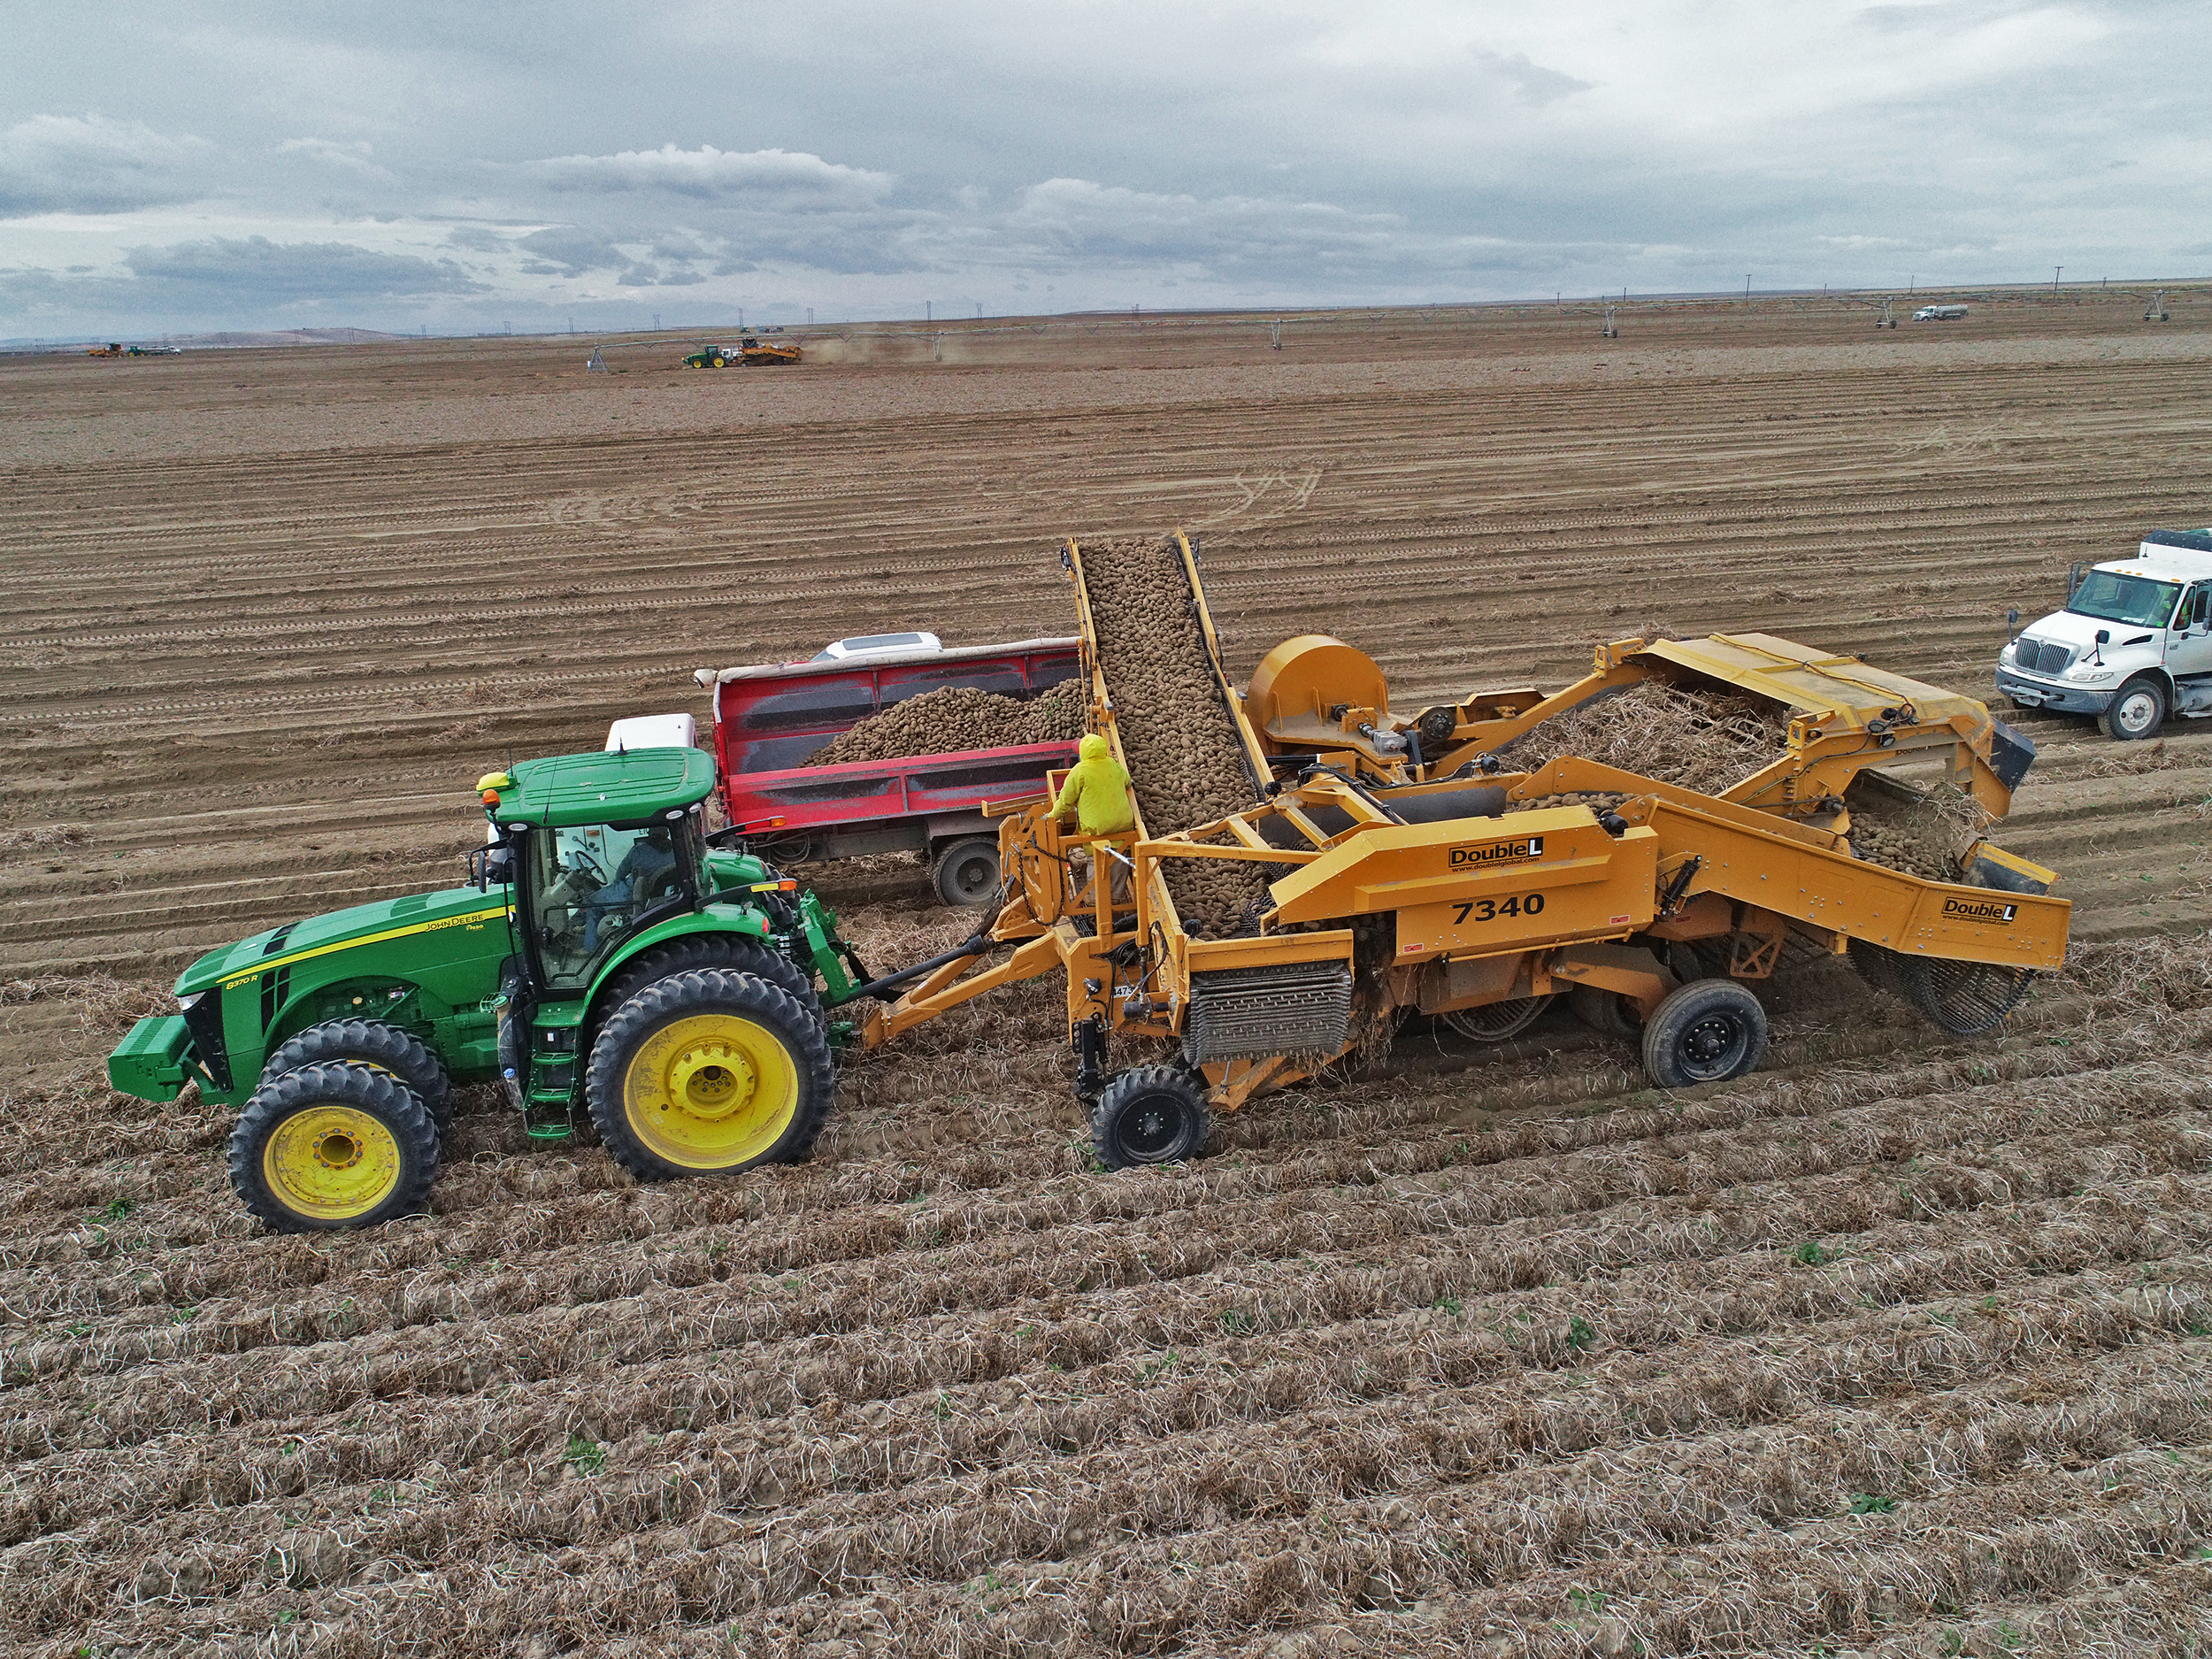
1407 871
750 352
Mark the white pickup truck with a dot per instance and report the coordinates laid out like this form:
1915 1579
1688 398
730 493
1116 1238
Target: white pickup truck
2134 645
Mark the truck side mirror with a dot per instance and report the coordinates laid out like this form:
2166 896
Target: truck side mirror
2104 638
2012 621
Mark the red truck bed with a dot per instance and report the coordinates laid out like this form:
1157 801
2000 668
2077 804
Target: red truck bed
768 720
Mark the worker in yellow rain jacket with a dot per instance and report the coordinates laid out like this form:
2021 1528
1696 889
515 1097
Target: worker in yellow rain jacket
1098 796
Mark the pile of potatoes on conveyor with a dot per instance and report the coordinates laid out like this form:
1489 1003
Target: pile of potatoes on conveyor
1180 740
955 719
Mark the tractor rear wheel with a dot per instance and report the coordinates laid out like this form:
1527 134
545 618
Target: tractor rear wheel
1707 1031
709 1071
695 953
381 1048
1150 1114
333 1144
967 872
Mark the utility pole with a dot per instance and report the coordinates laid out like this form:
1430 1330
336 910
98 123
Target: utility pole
656 322
2055 271
925 312
1746 288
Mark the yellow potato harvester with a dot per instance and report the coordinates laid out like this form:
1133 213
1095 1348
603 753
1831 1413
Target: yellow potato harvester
1405 873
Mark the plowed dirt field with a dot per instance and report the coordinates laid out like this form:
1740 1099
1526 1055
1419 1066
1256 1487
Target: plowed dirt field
1897 1346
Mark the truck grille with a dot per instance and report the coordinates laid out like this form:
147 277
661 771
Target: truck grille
1302 1008
2043 657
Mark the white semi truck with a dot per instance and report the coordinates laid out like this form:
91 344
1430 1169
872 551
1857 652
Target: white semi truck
2134 646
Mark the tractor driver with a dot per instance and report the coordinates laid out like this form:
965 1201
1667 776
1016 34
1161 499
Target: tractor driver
1100 797
651 857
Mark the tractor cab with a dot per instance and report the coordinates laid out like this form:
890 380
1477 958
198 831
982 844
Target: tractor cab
598 847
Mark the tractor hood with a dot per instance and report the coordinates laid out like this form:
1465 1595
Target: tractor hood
319 936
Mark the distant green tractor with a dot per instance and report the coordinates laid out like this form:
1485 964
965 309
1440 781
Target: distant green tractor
601 956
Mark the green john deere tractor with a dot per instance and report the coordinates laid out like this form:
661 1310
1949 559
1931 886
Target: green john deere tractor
601 959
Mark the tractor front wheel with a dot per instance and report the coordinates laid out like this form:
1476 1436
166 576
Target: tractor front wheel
709 1071
381 1048
1150 1114
333 1144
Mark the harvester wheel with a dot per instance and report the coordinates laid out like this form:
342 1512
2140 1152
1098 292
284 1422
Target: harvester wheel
967 872
1150 1114
1705 1031
333 1144
709 1071
2136 711
1496 1022
1604 1011
730 953
381 1048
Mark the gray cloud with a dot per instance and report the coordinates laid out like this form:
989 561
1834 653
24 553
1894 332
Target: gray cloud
295 272
707 172
1267 154
68 164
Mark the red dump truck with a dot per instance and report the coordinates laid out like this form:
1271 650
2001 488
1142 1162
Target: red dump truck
768 720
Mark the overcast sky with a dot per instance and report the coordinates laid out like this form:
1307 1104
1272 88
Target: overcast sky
272 164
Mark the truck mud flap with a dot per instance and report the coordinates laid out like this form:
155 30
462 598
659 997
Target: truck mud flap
1296 1008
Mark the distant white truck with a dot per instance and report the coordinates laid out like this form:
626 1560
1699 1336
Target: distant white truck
1938 313
2134 646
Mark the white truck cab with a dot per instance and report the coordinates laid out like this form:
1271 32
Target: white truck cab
2134 645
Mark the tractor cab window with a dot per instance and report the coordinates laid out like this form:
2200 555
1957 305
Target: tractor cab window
593 884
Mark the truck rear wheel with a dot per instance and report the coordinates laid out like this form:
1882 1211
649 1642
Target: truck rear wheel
333 1144
1707 1031
709 1071
2136 711
967 872
1150 1114
381 1048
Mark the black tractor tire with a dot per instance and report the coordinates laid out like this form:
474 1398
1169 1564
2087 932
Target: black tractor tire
1150 1114
1707 1031
2136 711
698 953
332 1145
1604 1011
966 874
1497 1022
678 1068
379 1047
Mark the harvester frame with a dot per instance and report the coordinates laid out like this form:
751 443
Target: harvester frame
1400 884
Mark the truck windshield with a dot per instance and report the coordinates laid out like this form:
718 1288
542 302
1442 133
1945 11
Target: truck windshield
2109 596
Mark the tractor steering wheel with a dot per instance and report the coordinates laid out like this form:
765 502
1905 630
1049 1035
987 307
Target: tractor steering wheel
585 864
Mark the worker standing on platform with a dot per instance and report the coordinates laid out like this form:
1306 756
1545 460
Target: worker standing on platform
1098 795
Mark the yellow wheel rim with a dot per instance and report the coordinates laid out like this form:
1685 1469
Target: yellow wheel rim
331 1162
711 1091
